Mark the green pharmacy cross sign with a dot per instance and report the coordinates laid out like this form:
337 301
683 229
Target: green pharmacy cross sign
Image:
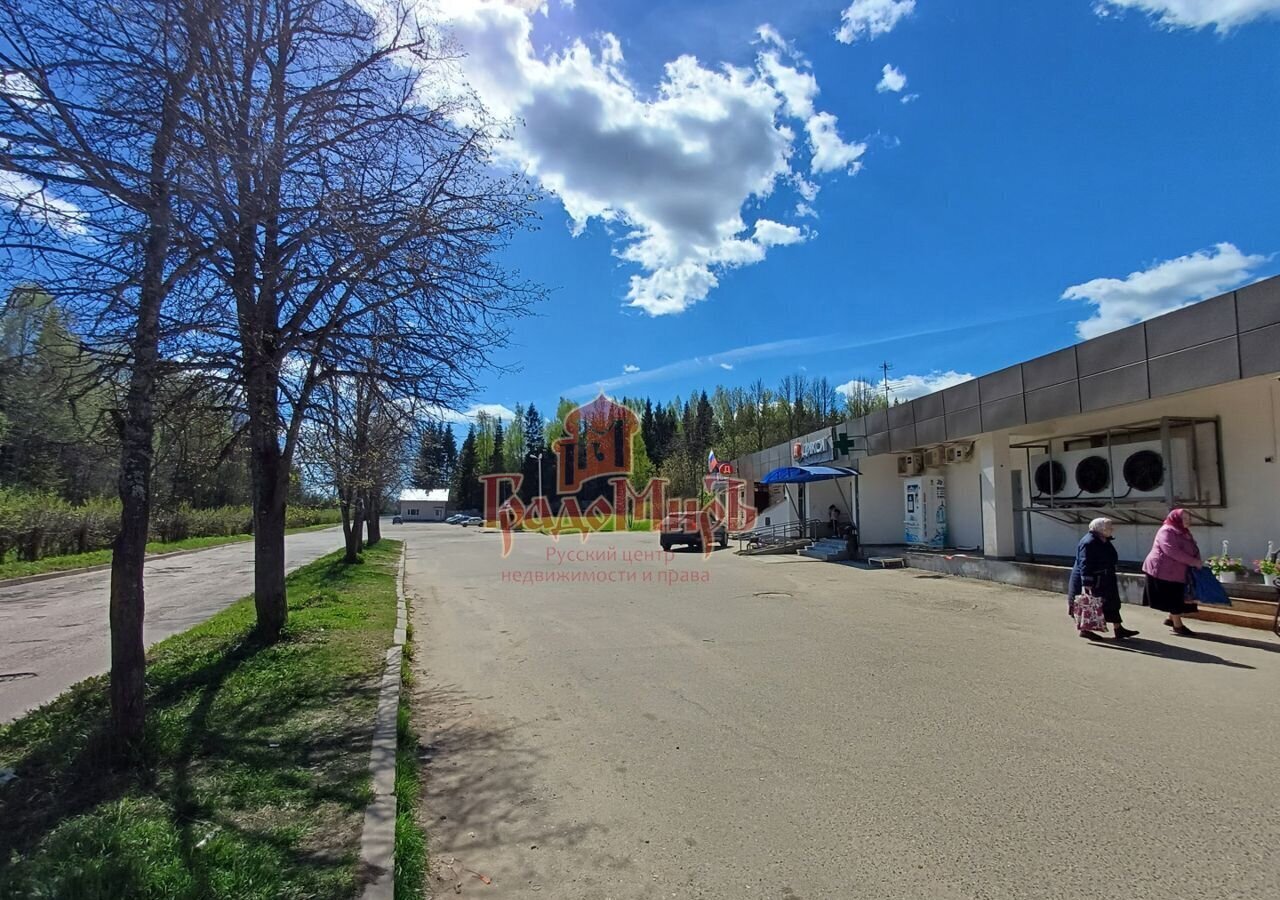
844 444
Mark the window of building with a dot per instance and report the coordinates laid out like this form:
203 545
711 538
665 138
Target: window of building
413 511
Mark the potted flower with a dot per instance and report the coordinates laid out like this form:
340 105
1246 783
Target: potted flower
1226 568
1269 569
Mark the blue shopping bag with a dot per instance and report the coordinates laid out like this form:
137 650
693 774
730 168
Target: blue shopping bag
1205 588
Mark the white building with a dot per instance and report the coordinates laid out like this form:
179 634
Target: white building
424 506
1181 410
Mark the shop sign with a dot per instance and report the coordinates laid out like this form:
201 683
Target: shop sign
815 451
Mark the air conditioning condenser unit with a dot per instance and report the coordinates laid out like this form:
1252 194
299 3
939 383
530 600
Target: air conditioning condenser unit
910 464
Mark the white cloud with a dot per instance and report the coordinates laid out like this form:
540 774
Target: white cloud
675 167
20 88
468 416
797 88
1223 15
910 98
872 18
908 387
1164 287
767 34
34 202
774 234
830 151
891 79
804 210
728 367
629 368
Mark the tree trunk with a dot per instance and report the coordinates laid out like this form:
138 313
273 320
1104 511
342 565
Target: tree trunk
127 604
270 491
351 531
373 511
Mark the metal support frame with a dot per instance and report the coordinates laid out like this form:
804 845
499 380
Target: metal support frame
1118 509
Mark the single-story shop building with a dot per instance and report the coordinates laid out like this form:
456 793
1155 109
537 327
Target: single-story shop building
423 506
1181 410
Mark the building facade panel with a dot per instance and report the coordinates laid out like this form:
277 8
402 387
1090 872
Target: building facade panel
961 396
1051 369
1053 402
999 385
1200 366
932 431
878 443
899 415
1127 384
902 439
1111 351
1260 351
1192 325
1258 305
1007 413
928 407
964 424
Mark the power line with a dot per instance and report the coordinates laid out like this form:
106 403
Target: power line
885 367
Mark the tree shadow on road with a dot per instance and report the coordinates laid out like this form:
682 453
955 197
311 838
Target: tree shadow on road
483 799
1181 653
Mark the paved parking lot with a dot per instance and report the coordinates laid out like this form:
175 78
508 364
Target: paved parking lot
784 728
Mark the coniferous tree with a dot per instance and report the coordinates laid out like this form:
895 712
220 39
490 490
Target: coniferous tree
468 492
498 457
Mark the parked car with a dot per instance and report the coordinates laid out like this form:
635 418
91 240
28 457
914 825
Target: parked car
457 519
682 528
397 520
472 520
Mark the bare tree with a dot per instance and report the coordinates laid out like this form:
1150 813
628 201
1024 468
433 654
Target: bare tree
90 121
336 201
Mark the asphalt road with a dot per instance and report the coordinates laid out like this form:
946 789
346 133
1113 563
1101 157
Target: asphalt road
792 729
54 633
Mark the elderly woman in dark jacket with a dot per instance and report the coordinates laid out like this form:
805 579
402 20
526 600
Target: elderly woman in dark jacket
1095 569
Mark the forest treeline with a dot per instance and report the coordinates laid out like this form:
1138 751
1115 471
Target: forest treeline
673 440
60 454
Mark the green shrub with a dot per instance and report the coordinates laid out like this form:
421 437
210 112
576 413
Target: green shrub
37 525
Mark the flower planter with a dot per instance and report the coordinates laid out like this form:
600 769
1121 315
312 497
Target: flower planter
1226 577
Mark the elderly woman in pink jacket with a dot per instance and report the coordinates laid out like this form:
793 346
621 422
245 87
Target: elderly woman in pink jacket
1172 555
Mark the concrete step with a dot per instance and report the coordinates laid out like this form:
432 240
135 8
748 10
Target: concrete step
826 555
1264 607
1226 615
779 549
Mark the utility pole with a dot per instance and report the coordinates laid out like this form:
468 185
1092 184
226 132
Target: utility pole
885 367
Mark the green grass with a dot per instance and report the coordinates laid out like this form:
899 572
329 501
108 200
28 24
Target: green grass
411 838
20 569
253 777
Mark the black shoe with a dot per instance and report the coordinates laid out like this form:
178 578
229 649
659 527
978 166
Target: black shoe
1168 621
1184 631
1088 635
1123 634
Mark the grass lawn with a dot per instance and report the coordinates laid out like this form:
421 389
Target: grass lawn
411 837
19 569
255 773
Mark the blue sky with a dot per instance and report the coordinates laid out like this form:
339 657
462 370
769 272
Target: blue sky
1034 149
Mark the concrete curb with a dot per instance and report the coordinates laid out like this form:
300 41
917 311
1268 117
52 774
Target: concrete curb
66 573
378 836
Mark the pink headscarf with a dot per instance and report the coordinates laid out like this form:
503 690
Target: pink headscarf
1177 520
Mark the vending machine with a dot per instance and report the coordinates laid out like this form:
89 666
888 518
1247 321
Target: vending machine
926 511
